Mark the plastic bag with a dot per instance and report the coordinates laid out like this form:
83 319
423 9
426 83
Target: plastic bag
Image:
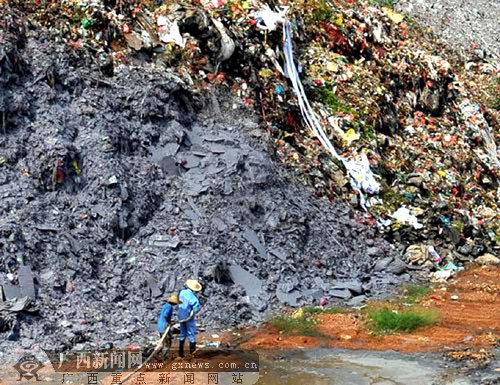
268 19
362 177
169 32
404 216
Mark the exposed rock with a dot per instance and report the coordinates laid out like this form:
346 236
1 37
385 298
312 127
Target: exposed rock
354 286
345 294
382 264
357 301
396 267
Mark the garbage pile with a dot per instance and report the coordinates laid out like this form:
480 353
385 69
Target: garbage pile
130 188
384 91
114 190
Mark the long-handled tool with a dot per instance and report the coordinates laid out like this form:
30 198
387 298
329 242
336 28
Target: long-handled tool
158 347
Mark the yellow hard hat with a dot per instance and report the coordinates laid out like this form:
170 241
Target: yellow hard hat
193 284
174 298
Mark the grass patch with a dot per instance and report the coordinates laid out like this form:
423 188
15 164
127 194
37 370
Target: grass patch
368 132
303 326
324 310
382 3
414 293
328 97
386 320
495 104
322 13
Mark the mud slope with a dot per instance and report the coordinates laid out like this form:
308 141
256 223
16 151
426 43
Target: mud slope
116 189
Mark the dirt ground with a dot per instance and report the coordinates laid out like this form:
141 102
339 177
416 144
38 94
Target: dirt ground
471 321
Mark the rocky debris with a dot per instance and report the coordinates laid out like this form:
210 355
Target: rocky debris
341 293
396 266
115 192
357 301
251 285
24 289
381 86
355 286
12 67
118 167
10 315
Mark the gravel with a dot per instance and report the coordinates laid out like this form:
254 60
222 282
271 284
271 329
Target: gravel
469 26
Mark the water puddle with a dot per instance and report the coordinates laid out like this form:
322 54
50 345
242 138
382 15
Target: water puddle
327 367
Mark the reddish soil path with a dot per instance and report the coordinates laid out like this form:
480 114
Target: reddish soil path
471 321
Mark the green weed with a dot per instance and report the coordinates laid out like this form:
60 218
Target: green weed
324 310
494 104
322 13
382 3
302 326
414 293
458 225
329 98
386 321
368 132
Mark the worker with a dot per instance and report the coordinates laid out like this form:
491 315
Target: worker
190 305
165 319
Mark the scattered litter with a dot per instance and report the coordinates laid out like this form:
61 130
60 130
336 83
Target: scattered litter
441 276
352 100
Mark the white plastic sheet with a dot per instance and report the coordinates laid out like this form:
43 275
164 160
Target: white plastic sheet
268 19
169 32
404 216
361 176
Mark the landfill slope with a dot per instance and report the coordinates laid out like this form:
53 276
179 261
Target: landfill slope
137 147
379 112
115 190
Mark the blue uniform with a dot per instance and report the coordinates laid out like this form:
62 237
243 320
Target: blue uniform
165 318
189 302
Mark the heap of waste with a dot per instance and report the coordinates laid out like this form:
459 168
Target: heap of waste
382 91
116 190
121 165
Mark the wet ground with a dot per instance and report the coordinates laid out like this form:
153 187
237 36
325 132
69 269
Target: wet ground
331 367
460 349
317 367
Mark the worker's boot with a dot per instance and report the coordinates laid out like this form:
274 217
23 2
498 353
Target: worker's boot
192 348
181 348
